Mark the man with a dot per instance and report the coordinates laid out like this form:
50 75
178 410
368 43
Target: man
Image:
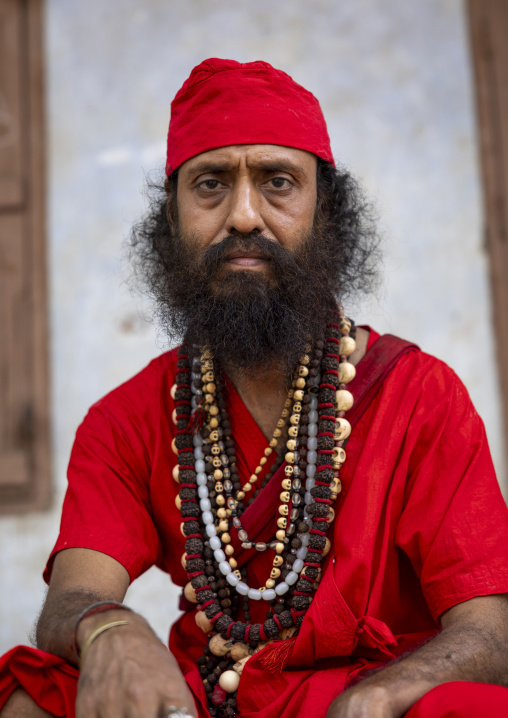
306 572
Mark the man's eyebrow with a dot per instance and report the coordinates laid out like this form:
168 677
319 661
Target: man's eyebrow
268 165
212 167
277 165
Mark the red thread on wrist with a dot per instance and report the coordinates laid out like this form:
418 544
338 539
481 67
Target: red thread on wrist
92 610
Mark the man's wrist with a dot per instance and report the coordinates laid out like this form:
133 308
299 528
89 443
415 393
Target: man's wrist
397 692
95 634
89 624
92 609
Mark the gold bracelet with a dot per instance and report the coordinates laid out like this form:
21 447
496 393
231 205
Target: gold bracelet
91 638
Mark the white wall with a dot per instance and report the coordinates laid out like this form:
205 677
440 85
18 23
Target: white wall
395 83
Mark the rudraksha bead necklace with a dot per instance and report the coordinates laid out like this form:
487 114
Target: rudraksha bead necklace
211 502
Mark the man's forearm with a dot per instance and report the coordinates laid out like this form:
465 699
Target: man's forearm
459 653
473 647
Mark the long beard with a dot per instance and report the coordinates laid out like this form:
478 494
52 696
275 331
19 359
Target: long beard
251 321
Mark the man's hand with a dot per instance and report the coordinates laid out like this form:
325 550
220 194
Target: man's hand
362 702
473 646
128 672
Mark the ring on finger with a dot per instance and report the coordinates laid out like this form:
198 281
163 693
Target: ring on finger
174 712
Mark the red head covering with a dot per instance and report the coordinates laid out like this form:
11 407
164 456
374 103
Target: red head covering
225 102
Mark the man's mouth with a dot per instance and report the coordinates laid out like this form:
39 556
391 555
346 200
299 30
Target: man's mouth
248 259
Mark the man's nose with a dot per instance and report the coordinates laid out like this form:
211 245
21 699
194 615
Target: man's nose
244 215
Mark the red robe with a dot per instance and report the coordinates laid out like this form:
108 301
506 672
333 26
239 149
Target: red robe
420 527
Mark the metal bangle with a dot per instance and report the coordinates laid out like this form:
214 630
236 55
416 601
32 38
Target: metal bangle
95 634
94 608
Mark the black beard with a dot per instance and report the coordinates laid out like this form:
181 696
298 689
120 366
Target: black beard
251 321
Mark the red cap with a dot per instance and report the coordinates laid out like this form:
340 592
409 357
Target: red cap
225 102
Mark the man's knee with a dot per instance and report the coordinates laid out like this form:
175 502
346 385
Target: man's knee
20 705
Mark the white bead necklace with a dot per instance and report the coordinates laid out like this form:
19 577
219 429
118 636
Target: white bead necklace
256 594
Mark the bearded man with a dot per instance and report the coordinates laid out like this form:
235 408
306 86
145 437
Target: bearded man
314 583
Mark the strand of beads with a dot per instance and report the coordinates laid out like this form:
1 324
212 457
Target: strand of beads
320 509
210 613
206 583
186 476
222 546
281 423
346 374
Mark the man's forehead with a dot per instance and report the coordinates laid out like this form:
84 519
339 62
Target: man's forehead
255 156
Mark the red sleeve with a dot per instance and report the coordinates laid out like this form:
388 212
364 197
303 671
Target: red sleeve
107 504
454 526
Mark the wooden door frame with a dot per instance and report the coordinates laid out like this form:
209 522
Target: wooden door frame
488 24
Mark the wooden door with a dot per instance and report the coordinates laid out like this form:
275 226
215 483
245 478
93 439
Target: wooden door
24 405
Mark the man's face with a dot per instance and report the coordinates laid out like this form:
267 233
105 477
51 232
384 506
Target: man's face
266 190
248 266
246 259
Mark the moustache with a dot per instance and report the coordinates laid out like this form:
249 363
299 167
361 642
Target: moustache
256 244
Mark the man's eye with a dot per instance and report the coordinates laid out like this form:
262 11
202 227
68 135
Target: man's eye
209 184
280 182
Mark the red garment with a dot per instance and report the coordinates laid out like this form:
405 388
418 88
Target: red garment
225 102
51 681
460 699
413 534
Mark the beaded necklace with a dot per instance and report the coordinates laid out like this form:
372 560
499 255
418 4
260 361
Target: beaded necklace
211 502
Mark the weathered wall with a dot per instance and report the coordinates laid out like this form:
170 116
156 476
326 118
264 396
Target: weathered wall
394 80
